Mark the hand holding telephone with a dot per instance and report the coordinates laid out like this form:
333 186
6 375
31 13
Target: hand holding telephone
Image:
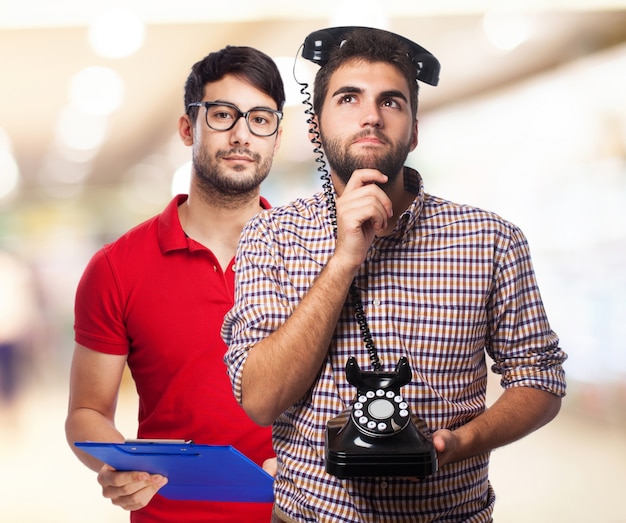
377 435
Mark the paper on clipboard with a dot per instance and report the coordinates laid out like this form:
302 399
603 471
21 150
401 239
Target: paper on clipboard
194 472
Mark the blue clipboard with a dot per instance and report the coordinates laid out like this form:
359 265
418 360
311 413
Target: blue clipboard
194 472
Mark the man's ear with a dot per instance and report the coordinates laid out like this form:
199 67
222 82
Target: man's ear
185 129
414 137
279 138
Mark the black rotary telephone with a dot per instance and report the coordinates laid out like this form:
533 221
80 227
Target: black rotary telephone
376 435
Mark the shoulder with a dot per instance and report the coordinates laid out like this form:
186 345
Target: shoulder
439 212
134 238
136 243
118 252
295 214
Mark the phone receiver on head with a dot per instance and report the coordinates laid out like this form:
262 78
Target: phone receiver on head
318 45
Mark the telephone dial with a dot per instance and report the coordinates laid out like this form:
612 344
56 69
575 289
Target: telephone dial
318 44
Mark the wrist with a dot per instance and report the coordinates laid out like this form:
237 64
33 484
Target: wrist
343 267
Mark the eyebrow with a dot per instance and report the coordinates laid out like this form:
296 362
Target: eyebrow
393 93
222 101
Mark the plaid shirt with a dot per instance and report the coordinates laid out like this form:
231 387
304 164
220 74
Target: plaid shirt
450 283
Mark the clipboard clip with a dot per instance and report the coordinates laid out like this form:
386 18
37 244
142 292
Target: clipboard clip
163 447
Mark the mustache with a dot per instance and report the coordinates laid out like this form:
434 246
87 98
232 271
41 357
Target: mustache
238 151
370 132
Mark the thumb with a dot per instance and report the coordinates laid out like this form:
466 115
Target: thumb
439 443
158 481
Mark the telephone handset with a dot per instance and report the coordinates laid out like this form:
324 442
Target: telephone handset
318 44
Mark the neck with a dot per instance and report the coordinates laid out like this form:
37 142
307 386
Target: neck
216 223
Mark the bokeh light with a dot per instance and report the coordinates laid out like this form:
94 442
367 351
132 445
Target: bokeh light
116 33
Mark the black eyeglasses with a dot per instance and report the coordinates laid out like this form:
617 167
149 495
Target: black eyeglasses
222 116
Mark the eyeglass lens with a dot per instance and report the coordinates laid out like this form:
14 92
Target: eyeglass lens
260 122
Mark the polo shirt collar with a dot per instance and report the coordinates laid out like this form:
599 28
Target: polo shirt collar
170 233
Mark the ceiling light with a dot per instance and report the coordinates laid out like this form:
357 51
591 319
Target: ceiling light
8 167
506 30
10 174
116 33
97 90
367 13
79 131
181 179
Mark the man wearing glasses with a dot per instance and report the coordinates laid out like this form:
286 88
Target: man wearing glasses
155 298
222 116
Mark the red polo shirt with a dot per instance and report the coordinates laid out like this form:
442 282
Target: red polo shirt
160 297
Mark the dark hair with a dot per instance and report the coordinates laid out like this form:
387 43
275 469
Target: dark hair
247 63
370 45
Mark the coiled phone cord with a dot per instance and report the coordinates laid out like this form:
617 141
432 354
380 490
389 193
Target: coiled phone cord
357 303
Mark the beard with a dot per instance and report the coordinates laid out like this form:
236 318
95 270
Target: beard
214 179
343 163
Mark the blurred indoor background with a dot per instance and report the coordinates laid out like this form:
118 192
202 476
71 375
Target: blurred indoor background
529 120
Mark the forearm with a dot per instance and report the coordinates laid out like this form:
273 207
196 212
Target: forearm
280 369
88 425
518 412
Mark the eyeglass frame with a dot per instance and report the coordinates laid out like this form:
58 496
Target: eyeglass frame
240 114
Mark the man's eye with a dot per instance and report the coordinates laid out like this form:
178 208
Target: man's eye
347 99
390 103
222 115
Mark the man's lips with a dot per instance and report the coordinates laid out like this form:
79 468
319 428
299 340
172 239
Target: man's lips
368 139
238 158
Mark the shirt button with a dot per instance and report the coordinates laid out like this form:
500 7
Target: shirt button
384 485
376 302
